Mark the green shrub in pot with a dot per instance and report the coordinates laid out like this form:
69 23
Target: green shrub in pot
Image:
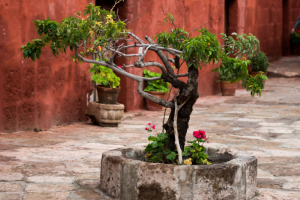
232 69
259 62
104 76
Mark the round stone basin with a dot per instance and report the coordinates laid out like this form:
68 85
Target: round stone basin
125 176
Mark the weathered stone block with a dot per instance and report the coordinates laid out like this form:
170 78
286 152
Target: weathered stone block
124 175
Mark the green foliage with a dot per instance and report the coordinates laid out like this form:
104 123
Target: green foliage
157 85
203 48
243 45
197 152
97 27
104 76
232 69
235 69
259 62
175 38
156 151
295 37
255 84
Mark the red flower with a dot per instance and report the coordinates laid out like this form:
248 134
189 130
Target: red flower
120 66
146 129
203 135
298 31
149 124
199 134
153 126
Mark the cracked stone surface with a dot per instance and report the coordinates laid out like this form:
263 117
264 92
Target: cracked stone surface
64 162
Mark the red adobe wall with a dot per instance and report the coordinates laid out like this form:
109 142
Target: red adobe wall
263 18
188 14
52 91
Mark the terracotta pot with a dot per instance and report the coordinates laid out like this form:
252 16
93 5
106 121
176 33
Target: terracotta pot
227 88
252 73
154 106
108 95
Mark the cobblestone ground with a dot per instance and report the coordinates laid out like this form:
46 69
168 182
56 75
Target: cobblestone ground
64 162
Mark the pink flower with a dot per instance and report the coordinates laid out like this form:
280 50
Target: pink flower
149 124
120 66
146 129
197 134
203 135
153 126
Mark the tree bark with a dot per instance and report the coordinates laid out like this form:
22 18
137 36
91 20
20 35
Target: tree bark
191 94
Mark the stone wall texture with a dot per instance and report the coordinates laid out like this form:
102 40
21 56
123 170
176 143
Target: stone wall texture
55 91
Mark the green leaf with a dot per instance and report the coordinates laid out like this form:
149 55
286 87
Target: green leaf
152 138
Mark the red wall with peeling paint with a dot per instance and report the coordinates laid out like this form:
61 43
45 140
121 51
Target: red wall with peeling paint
53 90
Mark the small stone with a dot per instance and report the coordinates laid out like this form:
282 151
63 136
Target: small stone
89 184
11 176
47 196
86 170
10 187
50 179
269 183
9 196
271 124
49 188
291 186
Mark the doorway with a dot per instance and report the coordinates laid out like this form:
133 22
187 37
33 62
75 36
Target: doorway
230 17
286 45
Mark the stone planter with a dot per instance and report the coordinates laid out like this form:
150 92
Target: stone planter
125 176
109 115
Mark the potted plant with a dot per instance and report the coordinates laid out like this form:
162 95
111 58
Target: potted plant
295 43
105 112
108 84
157 88
230 71
234 65
259 63
124 172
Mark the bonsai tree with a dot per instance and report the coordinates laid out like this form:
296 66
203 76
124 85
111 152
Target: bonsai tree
99 31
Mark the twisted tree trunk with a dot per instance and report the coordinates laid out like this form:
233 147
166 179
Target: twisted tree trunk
190 94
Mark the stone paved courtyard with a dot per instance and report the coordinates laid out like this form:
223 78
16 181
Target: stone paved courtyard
64 162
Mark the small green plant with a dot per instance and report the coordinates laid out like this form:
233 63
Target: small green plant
155 149
295 37
255 84
157 85
259 62
196 152
104 76
231 69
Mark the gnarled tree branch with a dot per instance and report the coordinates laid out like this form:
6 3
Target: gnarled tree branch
139 79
